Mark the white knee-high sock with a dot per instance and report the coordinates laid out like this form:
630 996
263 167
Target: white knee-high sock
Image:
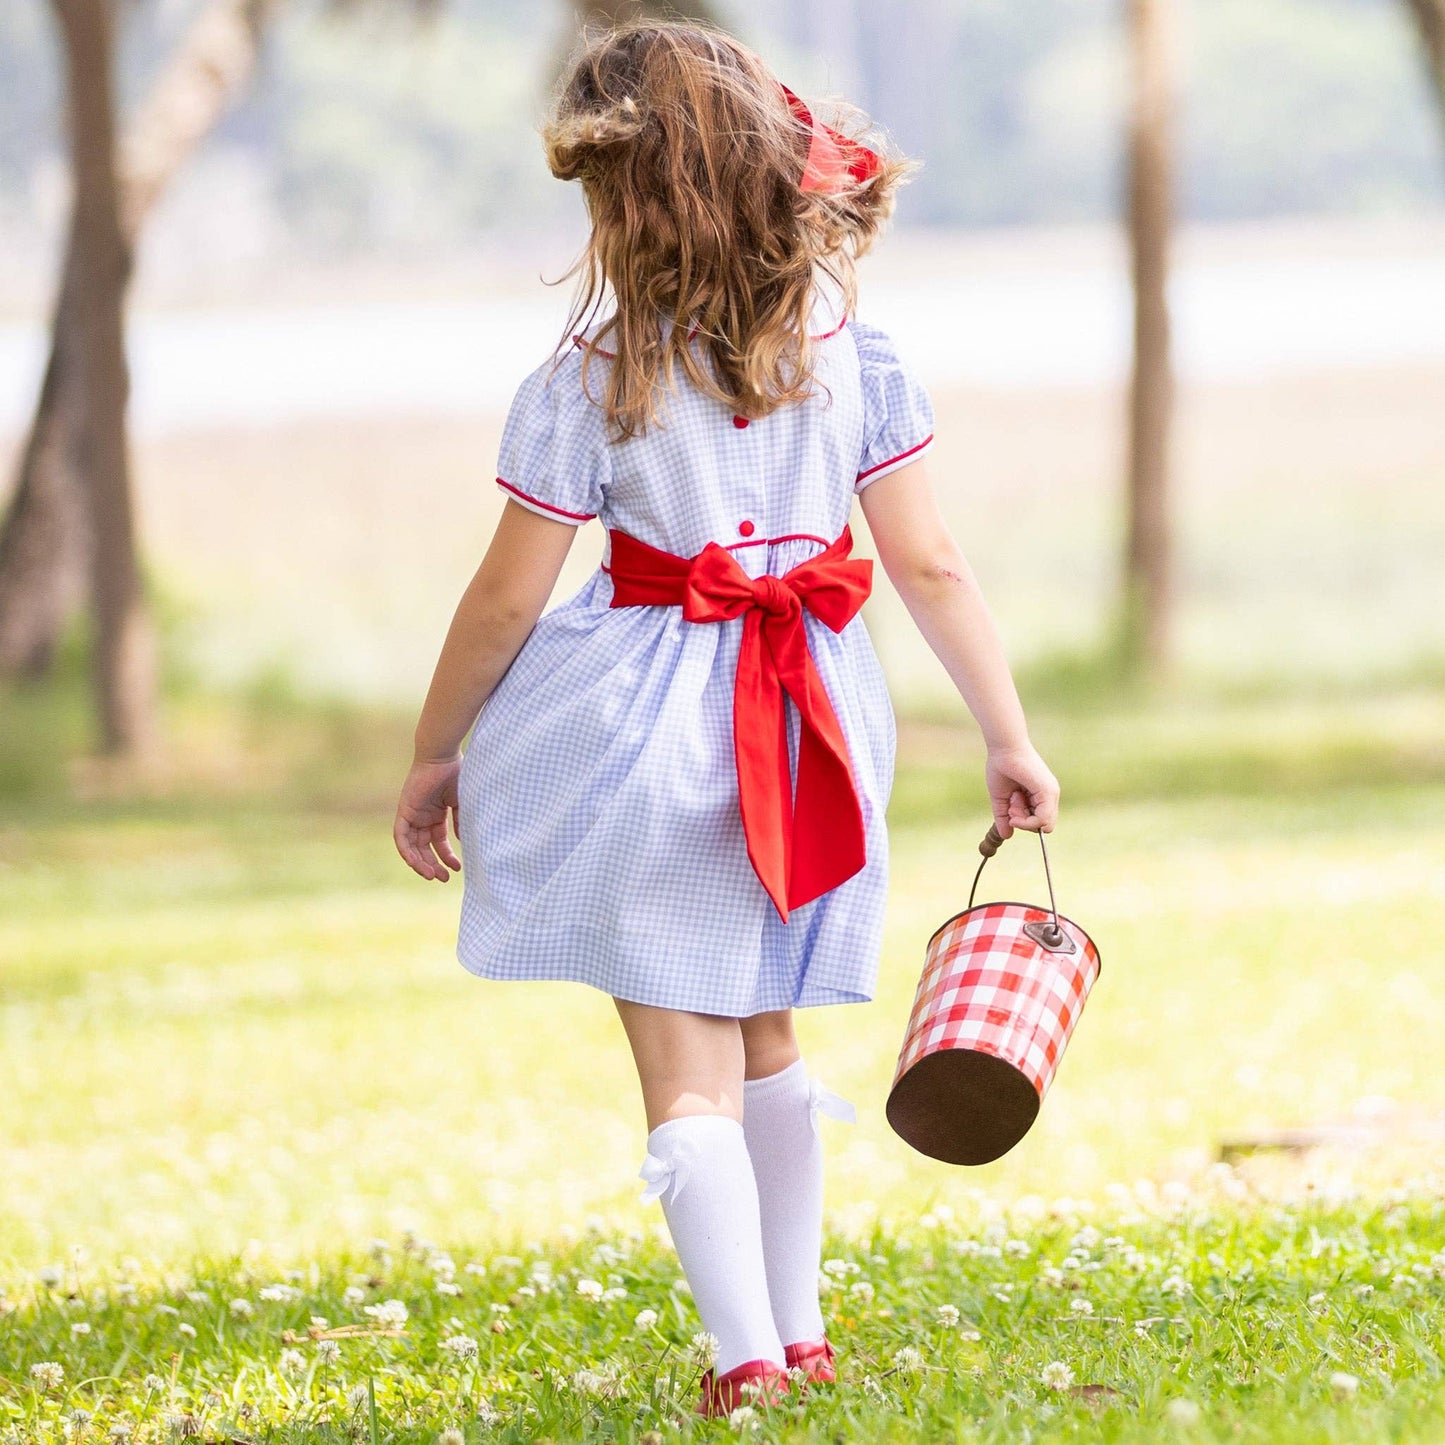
780 1126
699 1167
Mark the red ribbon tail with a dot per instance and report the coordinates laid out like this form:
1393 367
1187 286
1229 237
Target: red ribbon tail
764 784
829 846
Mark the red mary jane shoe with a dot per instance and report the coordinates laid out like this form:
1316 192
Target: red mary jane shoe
754 1381
814 1356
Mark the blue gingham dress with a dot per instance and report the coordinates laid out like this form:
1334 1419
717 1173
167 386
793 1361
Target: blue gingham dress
600 835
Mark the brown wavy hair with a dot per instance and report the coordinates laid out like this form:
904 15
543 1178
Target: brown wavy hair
690 161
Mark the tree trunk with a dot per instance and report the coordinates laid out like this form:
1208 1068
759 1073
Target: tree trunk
45 534
1430 22
1148 590
95 437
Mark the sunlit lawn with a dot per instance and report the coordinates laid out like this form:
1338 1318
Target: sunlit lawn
236 1043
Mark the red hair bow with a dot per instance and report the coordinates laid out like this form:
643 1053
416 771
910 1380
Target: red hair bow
833 159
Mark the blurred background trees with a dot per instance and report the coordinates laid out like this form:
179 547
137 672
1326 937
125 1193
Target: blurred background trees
1038 112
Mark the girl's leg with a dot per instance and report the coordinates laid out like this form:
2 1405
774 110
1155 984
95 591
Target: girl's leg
782 1138
691 1069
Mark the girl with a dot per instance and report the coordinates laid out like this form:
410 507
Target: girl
626 805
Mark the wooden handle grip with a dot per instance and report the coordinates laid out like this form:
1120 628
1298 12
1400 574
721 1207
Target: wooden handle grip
992 842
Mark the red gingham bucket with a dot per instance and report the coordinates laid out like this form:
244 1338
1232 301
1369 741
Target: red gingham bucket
1003 985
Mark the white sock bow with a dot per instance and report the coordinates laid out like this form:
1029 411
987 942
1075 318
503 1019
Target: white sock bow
822 1100
660 1173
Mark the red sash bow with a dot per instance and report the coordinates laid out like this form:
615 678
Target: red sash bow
797 852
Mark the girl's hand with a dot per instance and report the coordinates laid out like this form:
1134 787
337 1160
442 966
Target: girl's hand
1022 790
429 793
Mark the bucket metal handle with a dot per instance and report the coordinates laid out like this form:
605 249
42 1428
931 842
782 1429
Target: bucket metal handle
1049 934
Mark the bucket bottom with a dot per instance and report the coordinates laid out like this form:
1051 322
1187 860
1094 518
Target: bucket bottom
962 1106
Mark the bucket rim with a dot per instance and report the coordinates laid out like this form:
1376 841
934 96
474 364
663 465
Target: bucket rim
1019 903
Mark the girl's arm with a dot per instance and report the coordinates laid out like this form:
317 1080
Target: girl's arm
494 618
924 563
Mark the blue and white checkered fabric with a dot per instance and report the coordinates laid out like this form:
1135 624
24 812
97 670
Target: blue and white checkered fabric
601 839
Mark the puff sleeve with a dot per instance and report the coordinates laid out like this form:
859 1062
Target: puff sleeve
897 412
553 458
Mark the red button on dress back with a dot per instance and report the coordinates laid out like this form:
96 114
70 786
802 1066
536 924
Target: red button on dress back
740 422
746 528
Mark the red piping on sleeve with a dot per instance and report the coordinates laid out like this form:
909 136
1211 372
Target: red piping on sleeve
537 501
891 460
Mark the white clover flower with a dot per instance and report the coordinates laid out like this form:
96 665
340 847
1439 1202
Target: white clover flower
948 1316
461 1347
197 1297
379 1248
487 1413
645 1319
603 1382
442 1264
475 1266
1057 1376
1175 1284
451 1437
872 1387
837 1268
448 1287
242 1308
1081 1307
616 1292
292 1364
1086 1238
153 1383
908 1359
189 1331
356 1397
1363 1291
353 1295
526 1291
498 1308
1180 1411
390 1314
121 1431
1018 1248
863 1289
50 1275
1070 1261
967 1247
1343 1385
1051 1274
77 1420
328 1351
991 1251
589 1289
703 1347
283 1292
744 1417
80 1327
969 1335
1317 1298
48 1374
1004 1294
1398 1281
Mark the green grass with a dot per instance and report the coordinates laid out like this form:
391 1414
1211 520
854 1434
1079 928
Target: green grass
235 1047
1180 1317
